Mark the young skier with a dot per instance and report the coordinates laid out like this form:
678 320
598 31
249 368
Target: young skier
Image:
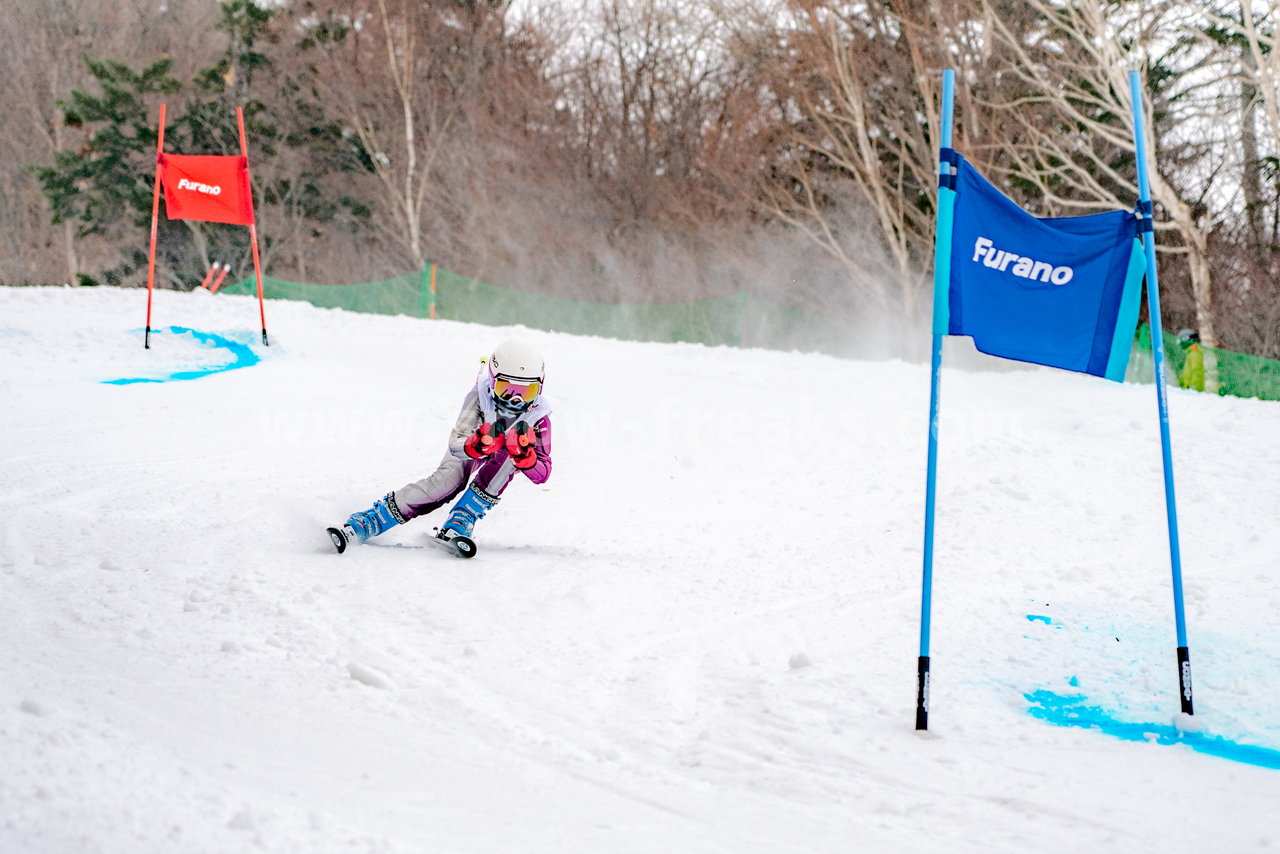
504 428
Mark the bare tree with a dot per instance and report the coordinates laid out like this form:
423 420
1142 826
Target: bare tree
1244 35
651 94
1256 27
634 124
377 72
42 48
442 99
857 88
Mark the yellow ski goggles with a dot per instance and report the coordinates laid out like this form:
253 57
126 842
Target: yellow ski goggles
516 392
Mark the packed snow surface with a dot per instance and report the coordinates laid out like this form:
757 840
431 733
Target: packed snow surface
699 636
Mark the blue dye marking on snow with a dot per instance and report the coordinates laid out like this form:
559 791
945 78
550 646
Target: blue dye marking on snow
1074 711
1035 617
244 358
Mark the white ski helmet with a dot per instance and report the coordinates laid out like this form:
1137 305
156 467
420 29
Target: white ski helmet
516 373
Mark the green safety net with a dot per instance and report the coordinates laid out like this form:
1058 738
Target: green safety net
734 321
1194 366
401 295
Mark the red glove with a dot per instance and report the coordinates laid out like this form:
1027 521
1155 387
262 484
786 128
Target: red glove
520 445
487 439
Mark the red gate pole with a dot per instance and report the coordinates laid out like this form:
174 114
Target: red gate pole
253 229
155 215
217 283
208 277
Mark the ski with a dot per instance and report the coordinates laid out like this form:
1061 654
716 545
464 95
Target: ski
457 544
339 538
461 546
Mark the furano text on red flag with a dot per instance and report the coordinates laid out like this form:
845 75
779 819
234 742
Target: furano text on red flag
211 188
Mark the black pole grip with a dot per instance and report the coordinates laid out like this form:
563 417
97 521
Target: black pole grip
922 692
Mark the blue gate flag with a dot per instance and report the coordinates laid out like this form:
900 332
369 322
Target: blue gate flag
1062 291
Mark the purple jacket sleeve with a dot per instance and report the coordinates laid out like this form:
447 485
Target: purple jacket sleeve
541 470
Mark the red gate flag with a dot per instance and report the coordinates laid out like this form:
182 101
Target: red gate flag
207 187
212 188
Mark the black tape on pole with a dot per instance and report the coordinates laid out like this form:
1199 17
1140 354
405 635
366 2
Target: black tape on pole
1184 679
922 692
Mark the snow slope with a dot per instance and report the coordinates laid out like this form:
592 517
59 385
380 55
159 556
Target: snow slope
699 637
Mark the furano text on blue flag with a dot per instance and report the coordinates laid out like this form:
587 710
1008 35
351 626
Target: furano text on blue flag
1023 267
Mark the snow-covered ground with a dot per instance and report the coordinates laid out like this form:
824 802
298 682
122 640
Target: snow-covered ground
700 636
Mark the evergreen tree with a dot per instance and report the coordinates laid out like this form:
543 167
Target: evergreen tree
105 185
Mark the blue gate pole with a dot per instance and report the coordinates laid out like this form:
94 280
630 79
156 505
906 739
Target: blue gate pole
1157 352
941 290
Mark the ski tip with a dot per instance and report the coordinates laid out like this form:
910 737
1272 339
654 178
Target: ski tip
338 538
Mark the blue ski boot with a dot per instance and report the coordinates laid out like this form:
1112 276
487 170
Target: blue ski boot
368 523
472 505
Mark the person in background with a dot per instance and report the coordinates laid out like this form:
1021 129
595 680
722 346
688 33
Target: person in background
1192 373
